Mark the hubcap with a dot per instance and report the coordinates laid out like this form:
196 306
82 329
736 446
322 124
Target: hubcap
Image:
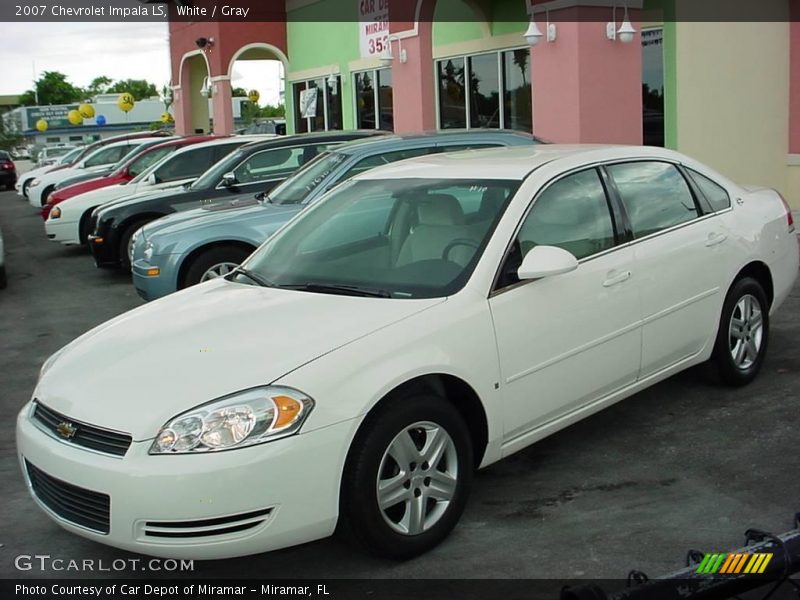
219 270
746 331
417 478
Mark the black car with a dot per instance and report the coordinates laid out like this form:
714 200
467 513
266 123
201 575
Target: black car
254 168
8 171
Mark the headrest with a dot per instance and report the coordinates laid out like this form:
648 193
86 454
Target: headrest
491 202
440 209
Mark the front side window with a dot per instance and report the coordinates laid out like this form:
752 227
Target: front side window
716 195
106 156
151 158
272 164
300 185
655 196
572 214
385 158
400 238
185 166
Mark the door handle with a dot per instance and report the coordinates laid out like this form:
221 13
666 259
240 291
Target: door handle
715 238
615 279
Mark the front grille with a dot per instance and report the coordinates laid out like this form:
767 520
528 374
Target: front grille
81 434
206 527
70 502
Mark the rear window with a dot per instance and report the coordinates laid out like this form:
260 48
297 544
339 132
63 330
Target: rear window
715 194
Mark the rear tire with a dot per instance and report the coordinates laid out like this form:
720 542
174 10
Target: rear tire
407 477
214 262
743 335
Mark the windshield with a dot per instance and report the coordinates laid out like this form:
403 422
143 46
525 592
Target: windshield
214 174
70 156
149 158
398 238
295 189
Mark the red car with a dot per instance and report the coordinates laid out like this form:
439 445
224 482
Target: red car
124 173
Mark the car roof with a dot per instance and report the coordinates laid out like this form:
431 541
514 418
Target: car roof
510 163
231 139
410 139
317 136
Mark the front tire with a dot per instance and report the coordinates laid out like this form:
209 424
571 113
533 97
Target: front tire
407 477
743 335
213 263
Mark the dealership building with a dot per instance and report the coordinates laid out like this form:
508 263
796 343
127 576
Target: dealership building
726 93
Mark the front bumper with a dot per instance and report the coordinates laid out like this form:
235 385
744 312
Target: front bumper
151 286
63 231
295 479
103 251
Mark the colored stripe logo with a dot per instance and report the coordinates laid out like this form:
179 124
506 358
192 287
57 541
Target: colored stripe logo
734 564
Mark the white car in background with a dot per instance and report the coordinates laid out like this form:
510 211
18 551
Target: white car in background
24 180
421 320
41 187
49 155
68 220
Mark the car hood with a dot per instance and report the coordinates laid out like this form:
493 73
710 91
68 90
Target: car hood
144 195
217 216
135 372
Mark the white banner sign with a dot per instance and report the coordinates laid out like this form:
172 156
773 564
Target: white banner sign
308 103
373 27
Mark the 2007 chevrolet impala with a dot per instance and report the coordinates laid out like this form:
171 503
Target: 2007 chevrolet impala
426 318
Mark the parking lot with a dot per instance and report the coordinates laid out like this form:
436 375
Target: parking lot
682 465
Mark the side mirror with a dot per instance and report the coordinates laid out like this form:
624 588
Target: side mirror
546 261
228 180
152 179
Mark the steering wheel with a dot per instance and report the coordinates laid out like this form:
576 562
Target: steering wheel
458 242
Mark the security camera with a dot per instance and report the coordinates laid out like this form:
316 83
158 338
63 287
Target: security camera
204 42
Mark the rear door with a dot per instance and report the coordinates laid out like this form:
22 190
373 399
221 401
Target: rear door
678 251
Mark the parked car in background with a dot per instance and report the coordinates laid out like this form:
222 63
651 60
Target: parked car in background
8 171
184 249
69 222
49 154
254 168
80 153
423 320
125 171
20 153
99 160
24 180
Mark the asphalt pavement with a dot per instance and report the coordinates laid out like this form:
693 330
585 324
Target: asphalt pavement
682 465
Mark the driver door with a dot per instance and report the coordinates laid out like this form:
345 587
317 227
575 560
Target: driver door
569 340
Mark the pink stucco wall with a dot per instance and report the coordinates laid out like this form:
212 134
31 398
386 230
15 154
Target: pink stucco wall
587 88
794 77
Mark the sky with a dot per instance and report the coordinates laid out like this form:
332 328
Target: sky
83 51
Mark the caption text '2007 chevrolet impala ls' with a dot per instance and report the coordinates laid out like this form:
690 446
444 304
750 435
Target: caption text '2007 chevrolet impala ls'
424 319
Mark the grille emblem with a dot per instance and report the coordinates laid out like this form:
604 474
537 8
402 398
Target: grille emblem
66 429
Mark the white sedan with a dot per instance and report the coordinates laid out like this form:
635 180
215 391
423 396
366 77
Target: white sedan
425 319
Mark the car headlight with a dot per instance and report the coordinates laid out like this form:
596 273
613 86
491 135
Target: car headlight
243 419
55 213
148 251
34 183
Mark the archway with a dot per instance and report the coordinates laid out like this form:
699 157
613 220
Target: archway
192 113
262 67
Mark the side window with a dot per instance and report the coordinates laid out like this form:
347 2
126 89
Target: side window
185 166
148 159
223 150
655 195
275 163
715 194
110 155
370 162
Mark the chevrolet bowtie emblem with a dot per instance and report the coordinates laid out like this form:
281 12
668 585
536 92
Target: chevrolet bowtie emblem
66 429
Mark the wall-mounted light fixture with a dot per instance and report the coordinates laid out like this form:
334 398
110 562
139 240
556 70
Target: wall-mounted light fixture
204 43
207 91
534 34
333 83
626 31
387 57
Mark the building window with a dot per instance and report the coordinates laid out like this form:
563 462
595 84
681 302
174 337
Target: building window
323 109
498 94
374 96
653 87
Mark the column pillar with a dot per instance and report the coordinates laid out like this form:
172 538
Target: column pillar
182 113
587 88
222 105
413 81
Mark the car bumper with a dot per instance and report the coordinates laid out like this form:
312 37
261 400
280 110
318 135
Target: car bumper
103 251
63 231
162 505
151 285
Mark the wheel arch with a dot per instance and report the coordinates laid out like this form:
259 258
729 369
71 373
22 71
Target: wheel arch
450 388
759 271
195 252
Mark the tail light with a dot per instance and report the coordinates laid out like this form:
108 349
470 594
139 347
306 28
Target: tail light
789 217
7 164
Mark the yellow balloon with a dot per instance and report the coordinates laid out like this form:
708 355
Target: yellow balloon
74 117
86 110
166 118
41 125
253 96
125 102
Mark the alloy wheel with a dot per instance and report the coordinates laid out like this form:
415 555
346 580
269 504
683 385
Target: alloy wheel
745 332
218 270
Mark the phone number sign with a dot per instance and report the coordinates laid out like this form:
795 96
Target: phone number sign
373 27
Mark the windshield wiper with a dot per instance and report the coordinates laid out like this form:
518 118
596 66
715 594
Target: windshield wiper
262 281
263 197
335 288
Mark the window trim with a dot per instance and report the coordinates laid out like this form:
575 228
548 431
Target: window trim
376 96
323 91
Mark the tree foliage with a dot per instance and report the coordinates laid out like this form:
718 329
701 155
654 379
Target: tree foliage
139 88
52 88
